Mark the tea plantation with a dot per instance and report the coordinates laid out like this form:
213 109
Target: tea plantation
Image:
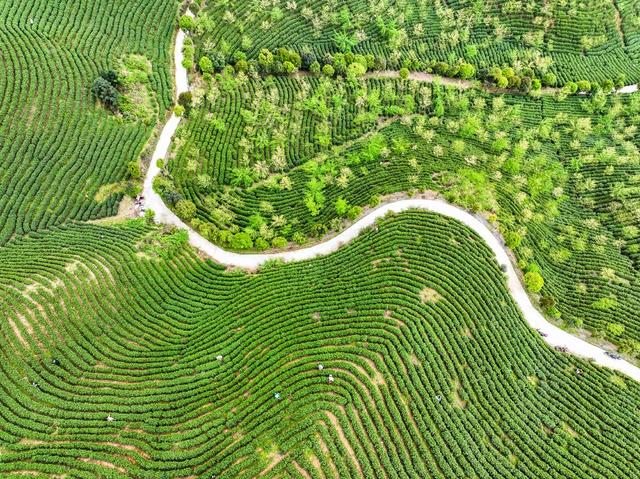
287 159
125 355
58 147
126 352
594 40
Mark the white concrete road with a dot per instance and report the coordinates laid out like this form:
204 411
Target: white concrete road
554 335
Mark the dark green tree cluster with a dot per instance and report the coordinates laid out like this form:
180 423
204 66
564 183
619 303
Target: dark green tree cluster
106 88
185 100
280 61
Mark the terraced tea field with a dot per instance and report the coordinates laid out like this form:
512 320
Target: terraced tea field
57 146
406 345
593 40
124 357
279 161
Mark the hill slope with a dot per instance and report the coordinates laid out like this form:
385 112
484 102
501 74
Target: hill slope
57 145
435 373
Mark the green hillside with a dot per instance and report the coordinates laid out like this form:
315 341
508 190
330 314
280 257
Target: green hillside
435 373
127 353
58 146
592 40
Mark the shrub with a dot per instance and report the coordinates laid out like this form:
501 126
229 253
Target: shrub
149 216
354 212
299 238
241 241
615 329
185 209
533 281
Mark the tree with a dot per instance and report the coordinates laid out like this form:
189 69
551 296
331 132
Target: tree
106 93
314 68
206 65
133 169
513 239
112 77
242 66
187 23
242 177
547 302
570 88
356 70
583 86
186 209
241 241
289 67
308 59
328 71
261 244
265 60
279 242
533 281
404 73
185 100
467 71
549 79
607 85
342 206
203 182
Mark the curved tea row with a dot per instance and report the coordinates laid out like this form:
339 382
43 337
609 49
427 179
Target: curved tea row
402 354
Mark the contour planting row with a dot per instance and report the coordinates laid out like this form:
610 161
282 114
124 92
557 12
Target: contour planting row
58 147
400 355
575 41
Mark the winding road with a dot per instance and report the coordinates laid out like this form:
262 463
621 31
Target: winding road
553 335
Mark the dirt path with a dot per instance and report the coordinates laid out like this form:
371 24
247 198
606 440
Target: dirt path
618 18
